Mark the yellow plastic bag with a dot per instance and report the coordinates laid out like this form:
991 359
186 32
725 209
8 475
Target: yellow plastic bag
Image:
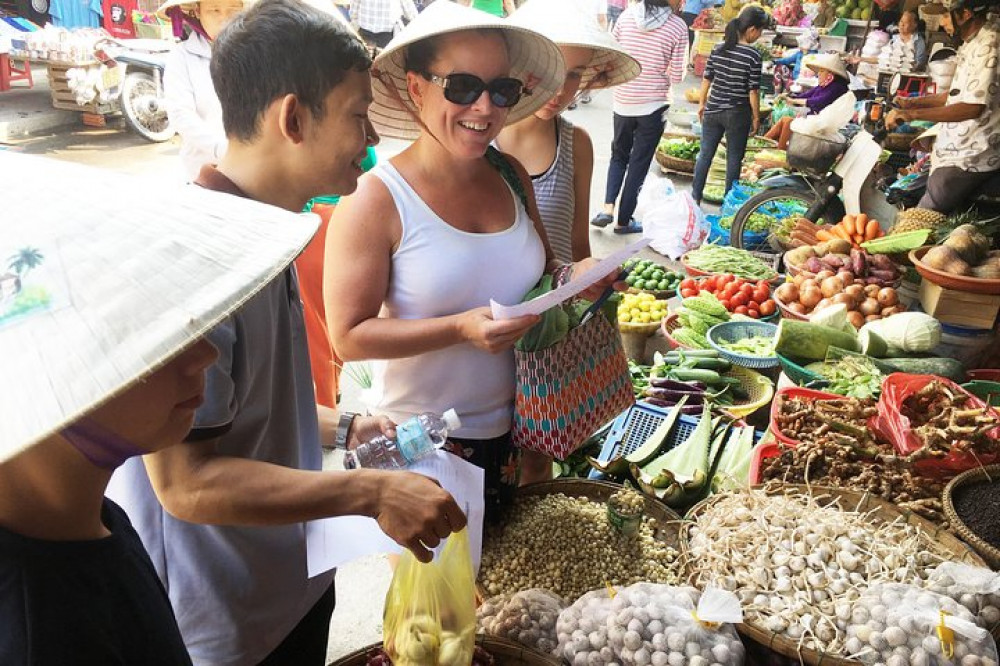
430 609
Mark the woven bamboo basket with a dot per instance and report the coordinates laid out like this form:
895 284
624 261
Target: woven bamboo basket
855 500
505 653
671 163
985 550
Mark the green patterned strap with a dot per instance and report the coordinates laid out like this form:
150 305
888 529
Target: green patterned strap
500 163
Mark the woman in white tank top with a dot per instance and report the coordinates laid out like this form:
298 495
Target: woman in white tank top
416 254
559 156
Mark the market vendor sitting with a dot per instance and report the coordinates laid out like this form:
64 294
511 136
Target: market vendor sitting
905 52
833 82
808 43
967 150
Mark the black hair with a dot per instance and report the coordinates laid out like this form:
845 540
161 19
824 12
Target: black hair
277 48
751 17
421 55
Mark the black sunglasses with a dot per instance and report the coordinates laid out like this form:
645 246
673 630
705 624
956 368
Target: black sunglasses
464 89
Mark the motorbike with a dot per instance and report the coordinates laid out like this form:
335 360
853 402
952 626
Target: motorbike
134 79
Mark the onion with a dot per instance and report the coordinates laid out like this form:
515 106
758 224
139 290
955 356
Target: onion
891 310
799 279
787 293
873 317
796 307
846 275
856 318
810 296
871 290
824 274
831 286
809 283
825 303
887 297
856 292
845 299
869 307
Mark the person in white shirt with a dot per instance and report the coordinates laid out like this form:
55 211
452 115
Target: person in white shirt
967 150
377 20
600 9
189 95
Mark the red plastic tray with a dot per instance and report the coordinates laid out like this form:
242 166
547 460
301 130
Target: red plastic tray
762 452
794 392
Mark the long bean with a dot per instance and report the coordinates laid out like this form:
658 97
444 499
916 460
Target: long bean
722 259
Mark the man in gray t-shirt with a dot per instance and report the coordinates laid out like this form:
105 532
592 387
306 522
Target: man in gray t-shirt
222 514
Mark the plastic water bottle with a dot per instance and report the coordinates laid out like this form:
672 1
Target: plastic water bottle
415 439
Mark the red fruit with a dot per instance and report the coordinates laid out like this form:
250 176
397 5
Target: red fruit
726 304
730 290
688 293
688 283
747 289
768 307
754 314
709 284
761 294
741 310
739 299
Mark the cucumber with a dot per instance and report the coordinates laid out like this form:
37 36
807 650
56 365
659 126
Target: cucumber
801 339
692 375
942 367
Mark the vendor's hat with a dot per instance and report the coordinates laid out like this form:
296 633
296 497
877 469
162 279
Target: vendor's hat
828 61
567 23
925 141
187 5
534 59
108 281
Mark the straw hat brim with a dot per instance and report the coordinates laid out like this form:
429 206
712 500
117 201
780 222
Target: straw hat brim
189 5
118 275
567 24
831 62
533 59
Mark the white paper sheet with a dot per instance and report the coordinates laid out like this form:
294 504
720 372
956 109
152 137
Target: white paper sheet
332 542
553 298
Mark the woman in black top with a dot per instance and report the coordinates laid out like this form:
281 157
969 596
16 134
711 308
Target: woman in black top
730 97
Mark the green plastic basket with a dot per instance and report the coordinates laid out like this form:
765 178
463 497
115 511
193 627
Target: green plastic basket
797 373
984 390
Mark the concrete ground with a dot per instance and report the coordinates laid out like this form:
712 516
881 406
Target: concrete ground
28 124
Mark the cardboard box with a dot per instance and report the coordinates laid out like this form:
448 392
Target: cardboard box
959 308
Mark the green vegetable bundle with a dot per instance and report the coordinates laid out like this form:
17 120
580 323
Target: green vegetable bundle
558 321
681 148
721 259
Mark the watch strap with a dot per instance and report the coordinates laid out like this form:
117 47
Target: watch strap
343 428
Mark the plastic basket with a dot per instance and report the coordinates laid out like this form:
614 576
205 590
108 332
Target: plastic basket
758 387
986 391
733 331
667 326
797 373
632 428
789 394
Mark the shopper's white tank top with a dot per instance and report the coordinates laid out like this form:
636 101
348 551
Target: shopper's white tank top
439 270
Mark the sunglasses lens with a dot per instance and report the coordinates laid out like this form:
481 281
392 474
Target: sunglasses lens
464 89
505 92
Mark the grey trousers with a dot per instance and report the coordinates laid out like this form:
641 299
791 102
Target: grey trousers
950 188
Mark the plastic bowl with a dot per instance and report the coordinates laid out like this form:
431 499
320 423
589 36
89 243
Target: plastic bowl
734 331
948 280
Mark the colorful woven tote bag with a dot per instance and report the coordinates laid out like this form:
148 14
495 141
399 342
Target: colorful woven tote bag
569 390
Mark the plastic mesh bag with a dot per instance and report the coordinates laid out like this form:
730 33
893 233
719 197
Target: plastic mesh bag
975 588
528 617
430 609
899 625
653 624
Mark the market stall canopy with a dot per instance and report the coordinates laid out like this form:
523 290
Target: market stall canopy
106 276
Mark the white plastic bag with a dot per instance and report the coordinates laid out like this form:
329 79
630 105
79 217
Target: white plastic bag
675 225
655 190
528 617
895 624
827 123
975 588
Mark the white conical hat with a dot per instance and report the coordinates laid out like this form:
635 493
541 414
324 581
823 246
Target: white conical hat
567 23
828 61
106 282
534 60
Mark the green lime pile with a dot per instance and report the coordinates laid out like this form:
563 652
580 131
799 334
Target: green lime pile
648 275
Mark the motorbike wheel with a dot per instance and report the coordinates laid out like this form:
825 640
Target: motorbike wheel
142 106
767 203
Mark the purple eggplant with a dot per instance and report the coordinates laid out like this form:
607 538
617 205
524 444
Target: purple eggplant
672 395
674 385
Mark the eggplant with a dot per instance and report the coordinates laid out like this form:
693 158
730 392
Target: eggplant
688 409
671 395
673 384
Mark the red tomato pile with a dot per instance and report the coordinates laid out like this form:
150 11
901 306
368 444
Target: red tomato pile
740 296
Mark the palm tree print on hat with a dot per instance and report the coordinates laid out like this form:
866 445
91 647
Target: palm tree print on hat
16 298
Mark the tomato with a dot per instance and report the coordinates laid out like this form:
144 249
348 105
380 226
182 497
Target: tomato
725 278
730 290
709 284
753 305
760 295
754 314
688 283
726 304
768 307
741 310
689 293
747 289
738 300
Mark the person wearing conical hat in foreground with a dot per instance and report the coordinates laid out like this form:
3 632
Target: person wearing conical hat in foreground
222 513
430 236
189 97
833 82
104 360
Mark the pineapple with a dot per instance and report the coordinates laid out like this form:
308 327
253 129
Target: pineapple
914 219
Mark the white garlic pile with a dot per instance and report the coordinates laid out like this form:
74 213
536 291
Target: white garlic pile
897 625
643 625
528 617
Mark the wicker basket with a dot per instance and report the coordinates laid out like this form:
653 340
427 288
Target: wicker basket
858 501
671 163
505 653
899 142
667 521
985 550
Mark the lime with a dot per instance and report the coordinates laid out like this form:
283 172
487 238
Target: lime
664 285
650 284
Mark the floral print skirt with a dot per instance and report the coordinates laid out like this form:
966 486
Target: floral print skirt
501 460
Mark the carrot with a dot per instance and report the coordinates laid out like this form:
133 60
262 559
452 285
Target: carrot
872 230
806 224
824 235
839 232
848 222
858 239
860 223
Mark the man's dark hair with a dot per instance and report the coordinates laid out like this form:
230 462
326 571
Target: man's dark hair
277 48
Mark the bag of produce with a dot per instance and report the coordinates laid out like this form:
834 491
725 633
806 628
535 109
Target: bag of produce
941 427
900 625
528 617
675 225
430 609
975 588
652 624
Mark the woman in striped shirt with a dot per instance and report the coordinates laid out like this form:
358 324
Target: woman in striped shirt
559 156
652 32
730 97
